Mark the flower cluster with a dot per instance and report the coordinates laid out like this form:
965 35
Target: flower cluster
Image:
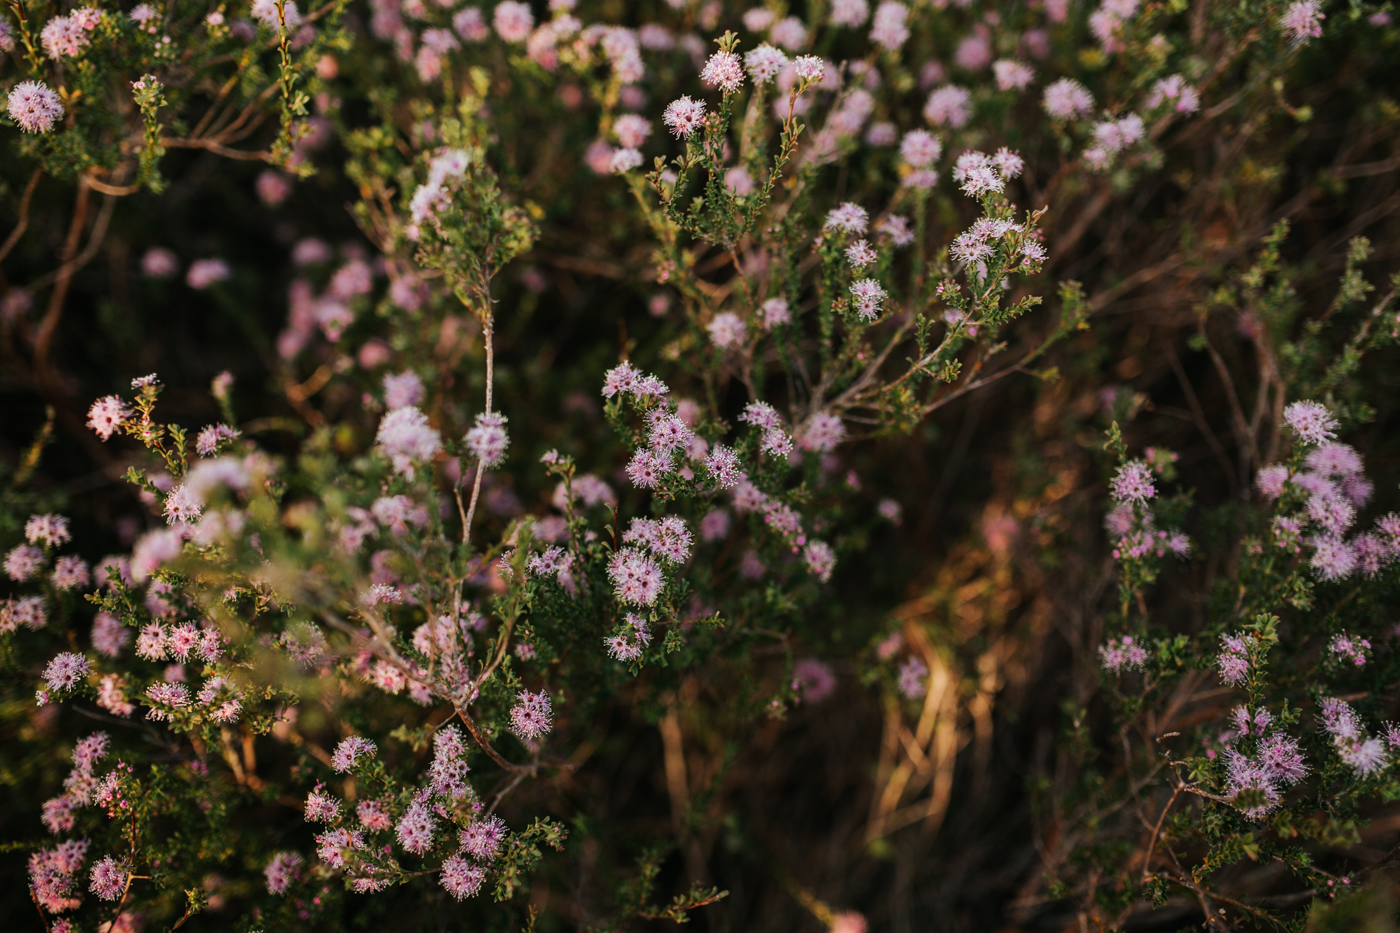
1317 505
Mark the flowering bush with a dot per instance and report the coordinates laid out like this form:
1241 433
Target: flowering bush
544 554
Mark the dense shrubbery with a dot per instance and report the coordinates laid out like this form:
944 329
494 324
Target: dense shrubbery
602 521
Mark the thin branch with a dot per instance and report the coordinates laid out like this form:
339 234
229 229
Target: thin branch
1156 830
216 148
23 223
485 744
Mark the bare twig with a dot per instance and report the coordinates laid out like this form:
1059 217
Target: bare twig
23 223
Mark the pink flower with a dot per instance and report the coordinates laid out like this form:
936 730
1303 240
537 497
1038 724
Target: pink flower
159 263
672 540
1272 480
814 678
868 295
648 468
775 312
205 272
848 12
624 160
980 180
332 846
153 549
372 815
895 229
1174 90
715 525
416 828
1366 757
530 718
975 51
212 437
1233 660
848 922
469 25
727 330
757 19
789 32
1352 650
632 130
920 148
723 466
406 438
23 562
65 671
57 814
1333 558
1133 482
109 636
33 106
321 808
70 573
281 871
112 698
182 505
1302 21
107 415
724 70
761 415
482 839
824 431
1012 75
175 696
1119 654
63 37
1067 98
636 578
848 218
513 21
881 133
890 510
912 679
888 28
29 612
350 751
809 68
820 560
949 105
273 187
461 878
738 180
267 13
764 63
108 879
488 440
669 433
860 254
89 751
684 116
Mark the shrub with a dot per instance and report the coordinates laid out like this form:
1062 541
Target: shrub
600 422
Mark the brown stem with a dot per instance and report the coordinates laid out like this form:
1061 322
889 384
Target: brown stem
1249 448
44 338
486 317
485 745
23 223
216 148
1156 830
39 907
1198 415
63 277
